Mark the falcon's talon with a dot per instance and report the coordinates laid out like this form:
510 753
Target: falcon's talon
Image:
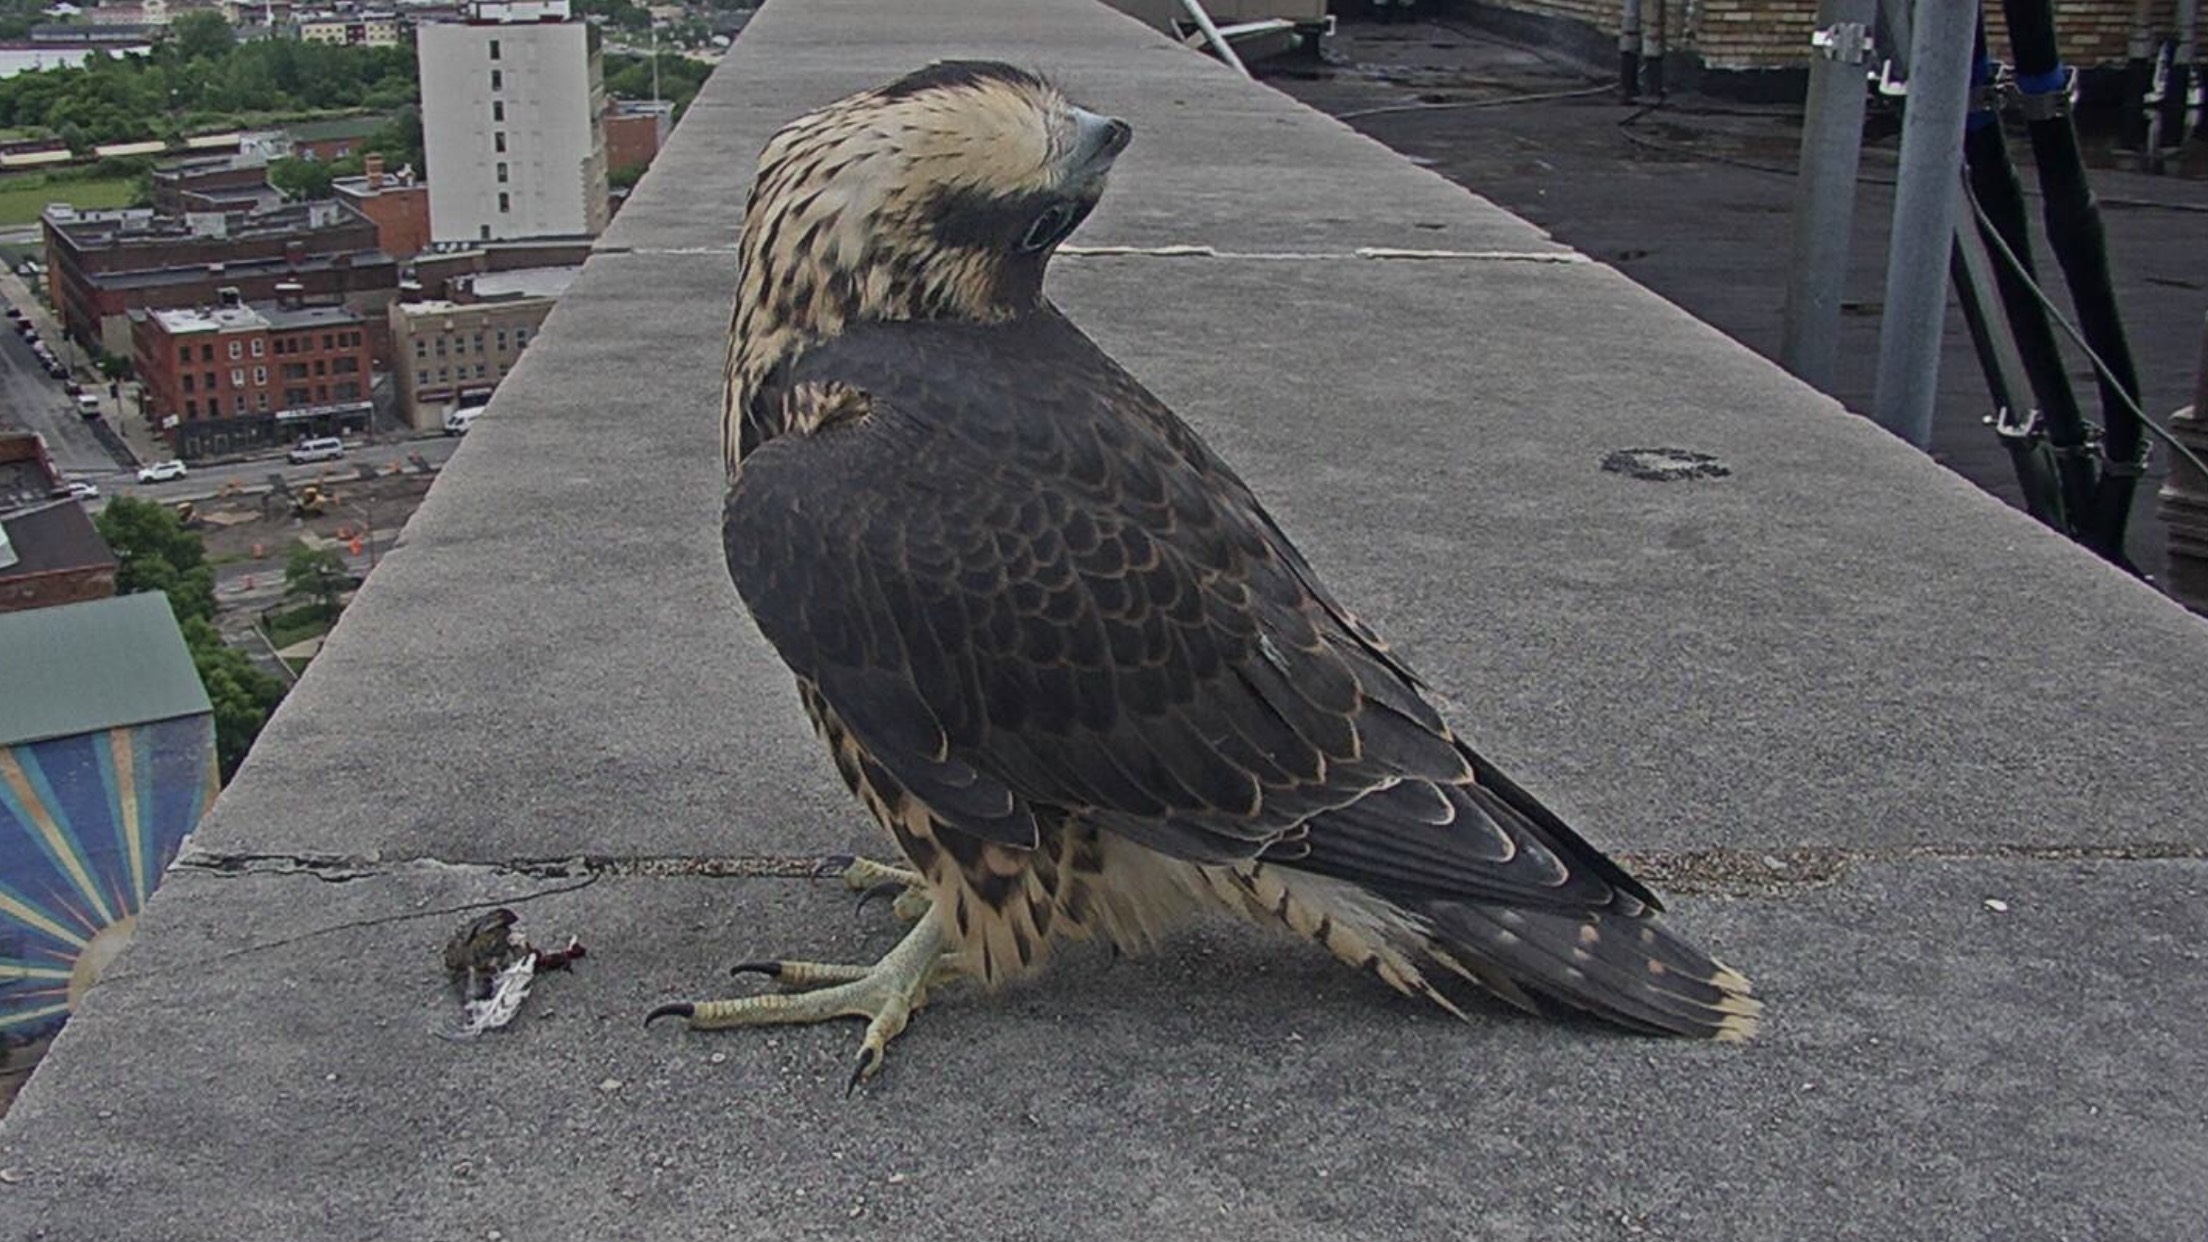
883 889
885 993
772 970
673 1009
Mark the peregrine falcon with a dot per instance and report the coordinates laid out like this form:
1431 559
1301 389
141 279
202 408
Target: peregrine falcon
1059 648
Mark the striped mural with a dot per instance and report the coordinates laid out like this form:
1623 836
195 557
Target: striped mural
87 824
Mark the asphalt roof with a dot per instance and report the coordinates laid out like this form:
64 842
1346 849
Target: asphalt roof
102 664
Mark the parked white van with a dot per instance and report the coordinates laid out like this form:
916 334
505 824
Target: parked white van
458 421
323 448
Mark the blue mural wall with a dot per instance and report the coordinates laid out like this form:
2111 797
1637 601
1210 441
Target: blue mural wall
87 825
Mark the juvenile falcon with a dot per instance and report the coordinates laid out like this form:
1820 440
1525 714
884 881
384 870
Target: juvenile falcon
1060 649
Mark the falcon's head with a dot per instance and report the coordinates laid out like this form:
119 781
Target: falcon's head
939 196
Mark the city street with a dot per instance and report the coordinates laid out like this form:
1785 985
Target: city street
34 401
207 481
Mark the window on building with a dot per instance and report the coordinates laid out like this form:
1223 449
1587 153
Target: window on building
345 366
440 347
260 376
237 403
237 349
187 381
322 392
207 352
184 354
191 409
502 172
498 80
498 110
321 366
505 201
479 342
479 370
502 340
237 377
521 337
486 230
349 390
494 49
293 370
260 402
294 397
258 346
421 348
498 141
210 377
327 343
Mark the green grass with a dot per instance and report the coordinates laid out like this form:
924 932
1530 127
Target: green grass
23 197
286 628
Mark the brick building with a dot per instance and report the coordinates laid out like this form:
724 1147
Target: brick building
397 202
50 553
102 265
454 351
235 376
231 183
354 29
635 130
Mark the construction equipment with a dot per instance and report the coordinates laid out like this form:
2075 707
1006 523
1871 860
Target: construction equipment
308 501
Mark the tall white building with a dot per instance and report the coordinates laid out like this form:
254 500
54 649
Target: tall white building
511 105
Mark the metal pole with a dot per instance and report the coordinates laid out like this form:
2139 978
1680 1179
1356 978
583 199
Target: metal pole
1652 47
1940 41
1218 42
1824 193
1629 51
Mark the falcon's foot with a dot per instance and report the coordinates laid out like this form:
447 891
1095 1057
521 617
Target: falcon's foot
886 994
870 879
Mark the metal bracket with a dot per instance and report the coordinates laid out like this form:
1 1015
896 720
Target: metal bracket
1847 42
2047 105
2010 425
1889 86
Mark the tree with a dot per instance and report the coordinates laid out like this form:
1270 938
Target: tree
316 572
243 696
303 179
156 553
202 35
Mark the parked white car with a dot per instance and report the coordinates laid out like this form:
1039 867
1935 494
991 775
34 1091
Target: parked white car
321 448
81 490
161 471
458 421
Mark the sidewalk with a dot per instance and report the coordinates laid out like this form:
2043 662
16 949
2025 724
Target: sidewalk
1927 773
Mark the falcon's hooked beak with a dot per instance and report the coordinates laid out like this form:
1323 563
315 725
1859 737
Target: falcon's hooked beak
1098 140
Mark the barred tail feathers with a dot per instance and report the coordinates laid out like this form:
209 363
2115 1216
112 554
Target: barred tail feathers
1623 965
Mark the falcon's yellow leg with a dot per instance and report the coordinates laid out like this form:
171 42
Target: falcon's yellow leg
886 994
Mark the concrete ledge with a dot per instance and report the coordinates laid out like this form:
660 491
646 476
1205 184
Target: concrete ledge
1838 697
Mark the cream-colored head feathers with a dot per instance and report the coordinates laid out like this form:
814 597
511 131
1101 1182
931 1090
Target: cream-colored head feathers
938 196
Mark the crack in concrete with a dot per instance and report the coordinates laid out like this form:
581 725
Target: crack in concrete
1202 251
1719 871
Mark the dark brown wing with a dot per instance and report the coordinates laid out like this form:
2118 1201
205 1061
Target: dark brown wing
1021 581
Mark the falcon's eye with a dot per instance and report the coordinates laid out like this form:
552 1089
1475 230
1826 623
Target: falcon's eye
1046 228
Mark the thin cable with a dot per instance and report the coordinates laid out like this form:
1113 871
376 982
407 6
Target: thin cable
2023 273
1500 102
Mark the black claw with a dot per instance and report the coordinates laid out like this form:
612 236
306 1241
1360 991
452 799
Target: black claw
772 970
868 1060
835 865
887 888
677 1009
